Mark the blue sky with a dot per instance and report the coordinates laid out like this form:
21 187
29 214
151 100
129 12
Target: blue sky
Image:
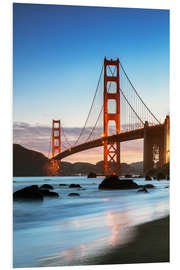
58 52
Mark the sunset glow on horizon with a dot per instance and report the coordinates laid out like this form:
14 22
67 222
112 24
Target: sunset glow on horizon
58 52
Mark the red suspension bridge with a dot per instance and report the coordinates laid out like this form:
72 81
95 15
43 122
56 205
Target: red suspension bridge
117 114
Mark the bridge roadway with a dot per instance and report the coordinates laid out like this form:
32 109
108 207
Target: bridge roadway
122 137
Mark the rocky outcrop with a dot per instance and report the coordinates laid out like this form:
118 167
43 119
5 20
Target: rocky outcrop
113 182
147 186
46 186
74 186
47 193
29 193
33 193
92 175
128 176
148 178
143 190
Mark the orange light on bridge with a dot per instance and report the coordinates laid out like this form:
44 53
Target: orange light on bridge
69 149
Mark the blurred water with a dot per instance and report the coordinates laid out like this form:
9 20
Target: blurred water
58 230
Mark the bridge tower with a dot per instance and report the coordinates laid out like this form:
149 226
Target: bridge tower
156 143
56 138
111 149
56 144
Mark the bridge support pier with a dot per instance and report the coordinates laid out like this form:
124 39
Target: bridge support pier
156 146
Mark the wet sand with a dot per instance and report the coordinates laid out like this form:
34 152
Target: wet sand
150 245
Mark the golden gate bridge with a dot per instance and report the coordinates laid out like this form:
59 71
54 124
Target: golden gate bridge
117 114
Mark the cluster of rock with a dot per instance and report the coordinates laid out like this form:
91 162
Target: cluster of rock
34 192
113 182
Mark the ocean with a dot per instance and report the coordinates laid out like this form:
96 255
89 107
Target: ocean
61 231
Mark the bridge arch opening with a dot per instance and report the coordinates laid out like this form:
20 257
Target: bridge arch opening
132 157
112 106
111 69
111 127
111 87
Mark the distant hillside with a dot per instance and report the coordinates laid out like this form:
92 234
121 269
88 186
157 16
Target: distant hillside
32 163
28 162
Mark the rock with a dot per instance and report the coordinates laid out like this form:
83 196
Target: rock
143 190
160 176
46 186
29 193
63 185
147 186
74 194
47 193
91 175
74 186
167 187
113 182
128 176
148 178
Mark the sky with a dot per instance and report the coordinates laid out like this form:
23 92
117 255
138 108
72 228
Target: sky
58 52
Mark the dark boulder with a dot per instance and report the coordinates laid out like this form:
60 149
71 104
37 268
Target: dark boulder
74 194
74 186
29 193
91 175
113 182
143 190
147 186
47 193
148 178
46 186
128 176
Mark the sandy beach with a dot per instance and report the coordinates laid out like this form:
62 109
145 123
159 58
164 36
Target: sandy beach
150 245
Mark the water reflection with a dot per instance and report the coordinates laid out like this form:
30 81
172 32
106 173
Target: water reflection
115 228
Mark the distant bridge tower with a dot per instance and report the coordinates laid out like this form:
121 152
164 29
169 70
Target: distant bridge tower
56 138
56 145
111 149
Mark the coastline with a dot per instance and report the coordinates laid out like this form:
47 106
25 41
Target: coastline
151 245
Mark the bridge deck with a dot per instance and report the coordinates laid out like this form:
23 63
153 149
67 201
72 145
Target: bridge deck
122 137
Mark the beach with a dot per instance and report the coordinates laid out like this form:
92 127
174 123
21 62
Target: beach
96 227
151 245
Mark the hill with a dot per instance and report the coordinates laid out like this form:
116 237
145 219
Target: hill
28 162
32 163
